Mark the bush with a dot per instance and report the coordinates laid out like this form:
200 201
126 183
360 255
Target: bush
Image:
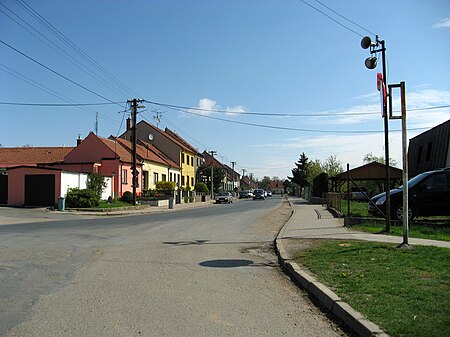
96 182
127 197
82 198
165 185
201 187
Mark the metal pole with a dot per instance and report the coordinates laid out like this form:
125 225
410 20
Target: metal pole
405 166
212 173
348 190
386 142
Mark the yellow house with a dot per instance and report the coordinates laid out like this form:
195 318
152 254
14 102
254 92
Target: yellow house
173 147
156 166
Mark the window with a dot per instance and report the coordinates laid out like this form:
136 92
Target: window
430 144
182 158
182 180
170 176
155 177
124 177
187 181
192 181
192 161
437 182
163 177
419 156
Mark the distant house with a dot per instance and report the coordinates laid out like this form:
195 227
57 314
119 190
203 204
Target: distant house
429 150
231 179
172 145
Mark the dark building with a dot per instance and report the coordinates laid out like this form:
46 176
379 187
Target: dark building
429 150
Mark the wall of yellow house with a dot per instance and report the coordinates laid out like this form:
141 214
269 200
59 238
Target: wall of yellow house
187 161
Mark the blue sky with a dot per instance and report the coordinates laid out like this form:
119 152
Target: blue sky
239 57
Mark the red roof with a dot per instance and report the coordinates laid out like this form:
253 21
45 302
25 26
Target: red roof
10 156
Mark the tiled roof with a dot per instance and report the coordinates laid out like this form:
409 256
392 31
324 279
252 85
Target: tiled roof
33 155
121 151
169 134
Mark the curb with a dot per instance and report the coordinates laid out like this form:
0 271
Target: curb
326 297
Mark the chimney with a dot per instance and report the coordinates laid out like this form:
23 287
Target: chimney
128 123
79 140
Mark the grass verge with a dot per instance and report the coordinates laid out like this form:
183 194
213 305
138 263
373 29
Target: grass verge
421 231
404 291
114 204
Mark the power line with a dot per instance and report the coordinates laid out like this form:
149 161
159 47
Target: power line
118 85
59 104
285 114
345 18
55 72
293 129
331 18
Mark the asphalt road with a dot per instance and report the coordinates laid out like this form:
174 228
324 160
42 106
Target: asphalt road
198 272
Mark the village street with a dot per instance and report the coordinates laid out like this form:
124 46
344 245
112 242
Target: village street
195 272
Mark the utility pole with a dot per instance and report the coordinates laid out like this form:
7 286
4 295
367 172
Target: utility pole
134 106
233 163
212 153
96 123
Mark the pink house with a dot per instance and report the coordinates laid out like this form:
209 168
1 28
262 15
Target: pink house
104 156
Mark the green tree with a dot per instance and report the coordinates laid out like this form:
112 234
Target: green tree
265 182
96 182
332 166
300 173
370 158
314 169
205 176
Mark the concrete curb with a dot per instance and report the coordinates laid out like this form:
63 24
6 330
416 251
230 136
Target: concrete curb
325 296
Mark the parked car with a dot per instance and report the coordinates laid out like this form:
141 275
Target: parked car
224 197
359 195
259 194
428 192
243 194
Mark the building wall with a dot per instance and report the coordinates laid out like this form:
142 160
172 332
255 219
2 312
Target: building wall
429 150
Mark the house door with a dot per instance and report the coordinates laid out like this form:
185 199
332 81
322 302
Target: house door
40 190
3 188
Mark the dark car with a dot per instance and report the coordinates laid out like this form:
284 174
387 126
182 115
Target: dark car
259 194
429 194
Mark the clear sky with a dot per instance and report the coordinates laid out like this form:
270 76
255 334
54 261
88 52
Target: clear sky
302 73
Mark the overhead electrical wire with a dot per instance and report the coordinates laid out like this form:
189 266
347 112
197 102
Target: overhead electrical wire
56 73
332 19
290 128
116 85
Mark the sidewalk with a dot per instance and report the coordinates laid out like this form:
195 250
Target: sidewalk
310 221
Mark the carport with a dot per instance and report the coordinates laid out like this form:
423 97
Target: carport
370 172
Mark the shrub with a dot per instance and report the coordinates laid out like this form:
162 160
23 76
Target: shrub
85 198
165 185
96 182
127 197
201 187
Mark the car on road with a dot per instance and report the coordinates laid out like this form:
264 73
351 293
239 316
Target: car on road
269 193
244 194
429 194
259 194
224 197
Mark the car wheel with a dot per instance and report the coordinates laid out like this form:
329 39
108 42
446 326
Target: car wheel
398 213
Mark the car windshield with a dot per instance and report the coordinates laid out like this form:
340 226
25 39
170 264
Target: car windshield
222 193
412 182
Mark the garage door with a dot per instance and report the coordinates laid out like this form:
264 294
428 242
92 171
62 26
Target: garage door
40 190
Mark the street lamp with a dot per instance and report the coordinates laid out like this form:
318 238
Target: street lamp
371 63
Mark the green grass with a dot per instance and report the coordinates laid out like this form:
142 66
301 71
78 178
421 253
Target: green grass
405 291
421 231
357 209
114 204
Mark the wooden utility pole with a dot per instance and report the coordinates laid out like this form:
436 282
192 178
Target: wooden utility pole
134 106
212 153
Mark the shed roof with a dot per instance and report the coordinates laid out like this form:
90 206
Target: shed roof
32 155
371 171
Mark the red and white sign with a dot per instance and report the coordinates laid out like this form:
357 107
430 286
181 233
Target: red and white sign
382 89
